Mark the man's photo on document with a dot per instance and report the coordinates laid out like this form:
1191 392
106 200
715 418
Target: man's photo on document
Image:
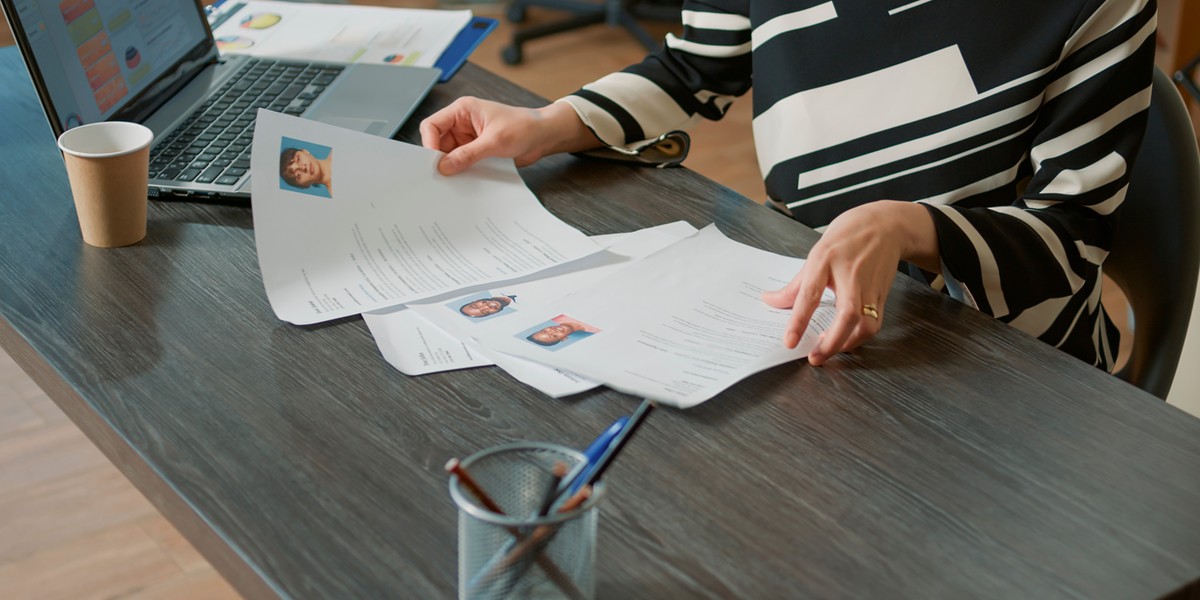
481 306
306 168
558 333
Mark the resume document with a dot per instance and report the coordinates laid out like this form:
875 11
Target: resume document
678 326
346 222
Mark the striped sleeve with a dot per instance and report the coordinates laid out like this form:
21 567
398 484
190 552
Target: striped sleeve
696 75
1036 264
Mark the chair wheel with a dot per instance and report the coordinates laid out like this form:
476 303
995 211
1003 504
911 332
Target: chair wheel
511 55
516 13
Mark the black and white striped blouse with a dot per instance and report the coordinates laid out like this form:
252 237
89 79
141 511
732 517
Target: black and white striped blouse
1013 121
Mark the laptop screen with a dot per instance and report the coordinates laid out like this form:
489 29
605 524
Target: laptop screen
95 58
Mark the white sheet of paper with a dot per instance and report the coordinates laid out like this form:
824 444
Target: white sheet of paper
417 347
400 36
388 229
677 327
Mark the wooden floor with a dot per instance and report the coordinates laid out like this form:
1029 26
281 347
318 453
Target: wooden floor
72 527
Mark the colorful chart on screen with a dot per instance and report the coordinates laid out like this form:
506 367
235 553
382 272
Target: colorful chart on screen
132 58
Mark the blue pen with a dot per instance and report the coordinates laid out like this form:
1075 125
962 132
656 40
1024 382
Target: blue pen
593 453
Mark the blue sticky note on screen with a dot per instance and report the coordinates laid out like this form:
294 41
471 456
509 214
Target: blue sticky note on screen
463 45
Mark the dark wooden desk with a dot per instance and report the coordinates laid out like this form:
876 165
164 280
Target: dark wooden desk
954 457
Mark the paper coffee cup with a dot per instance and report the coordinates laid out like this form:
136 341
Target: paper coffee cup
108 165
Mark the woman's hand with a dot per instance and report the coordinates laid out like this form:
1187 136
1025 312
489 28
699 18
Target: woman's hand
857 258
470 129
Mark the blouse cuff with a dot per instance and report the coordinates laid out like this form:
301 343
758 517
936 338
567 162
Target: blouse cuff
666 150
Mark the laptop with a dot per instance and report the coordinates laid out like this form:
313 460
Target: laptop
155 62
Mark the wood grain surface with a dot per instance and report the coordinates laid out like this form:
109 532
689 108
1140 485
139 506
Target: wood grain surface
952 457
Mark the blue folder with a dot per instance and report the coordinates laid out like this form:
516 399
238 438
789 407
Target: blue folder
468 39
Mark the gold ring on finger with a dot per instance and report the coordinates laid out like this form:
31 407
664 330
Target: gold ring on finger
870 310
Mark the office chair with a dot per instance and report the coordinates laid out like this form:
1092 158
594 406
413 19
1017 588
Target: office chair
1156 250
1186 77
614 13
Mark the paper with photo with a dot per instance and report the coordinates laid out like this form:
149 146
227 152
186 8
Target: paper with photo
678 326
417 347
414 346
363 223
406 333
369 34
456 318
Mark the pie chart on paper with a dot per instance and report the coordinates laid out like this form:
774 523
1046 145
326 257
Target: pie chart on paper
228 43
260 21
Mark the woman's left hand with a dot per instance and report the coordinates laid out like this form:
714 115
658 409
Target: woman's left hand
857 258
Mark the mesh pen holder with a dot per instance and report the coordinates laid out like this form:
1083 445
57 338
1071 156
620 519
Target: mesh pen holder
518 554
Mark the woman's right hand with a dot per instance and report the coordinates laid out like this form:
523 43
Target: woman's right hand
470 129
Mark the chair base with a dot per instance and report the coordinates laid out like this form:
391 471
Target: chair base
614 13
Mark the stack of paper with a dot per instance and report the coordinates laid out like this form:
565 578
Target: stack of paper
466 271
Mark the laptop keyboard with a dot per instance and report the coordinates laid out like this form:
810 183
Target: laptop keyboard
213 144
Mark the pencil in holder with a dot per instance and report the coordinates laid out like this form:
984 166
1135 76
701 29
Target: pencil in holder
517 553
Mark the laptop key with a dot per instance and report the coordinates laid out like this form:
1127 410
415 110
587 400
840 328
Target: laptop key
209 175
227 180
187 174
